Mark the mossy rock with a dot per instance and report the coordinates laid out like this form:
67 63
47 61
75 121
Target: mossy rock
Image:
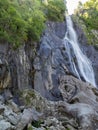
28 96
31 98
29 127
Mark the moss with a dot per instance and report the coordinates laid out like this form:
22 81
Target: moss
30 127
68 129
47 129
31 93
28 95
37 124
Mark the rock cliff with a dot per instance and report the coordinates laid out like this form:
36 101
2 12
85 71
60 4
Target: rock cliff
39 91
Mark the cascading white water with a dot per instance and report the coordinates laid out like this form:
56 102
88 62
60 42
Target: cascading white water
84 65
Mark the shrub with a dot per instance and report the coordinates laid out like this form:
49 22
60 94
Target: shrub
20 22
24 20
55 10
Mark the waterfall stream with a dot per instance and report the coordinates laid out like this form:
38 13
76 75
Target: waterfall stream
80 65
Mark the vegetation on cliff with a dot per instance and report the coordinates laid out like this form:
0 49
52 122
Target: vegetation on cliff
88 14
55 10
23 20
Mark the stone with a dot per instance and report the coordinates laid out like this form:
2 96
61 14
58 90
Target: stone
51 121
11 116
82 101
1 117
4 125
7 95
13 106
2 99
48 65
70 127
33 128
1 109
27 117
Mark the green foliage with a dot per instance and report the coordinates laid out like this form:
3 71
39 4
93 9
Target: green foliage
12 26
55 10
87 15
88 12
37 124
36 25
68 129
92 38
20 21
24 20
30 127
34 17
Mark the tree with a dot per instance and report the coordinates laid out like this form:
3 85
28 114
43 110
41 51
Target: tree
24 20
88 12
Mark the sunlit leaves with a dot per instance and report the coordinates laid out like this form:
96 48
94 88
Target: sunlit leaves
89 13
55 10
18 18
24 20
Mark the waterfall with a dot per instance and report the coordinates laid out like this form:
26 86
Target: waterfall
83 67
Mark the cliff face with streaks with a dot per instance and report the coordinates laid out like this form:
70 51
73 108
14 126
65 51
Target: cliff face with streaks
38 89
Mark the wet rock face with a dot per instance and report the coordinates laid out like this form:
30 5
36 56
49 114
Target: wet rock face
92 54
89 50
58 28
81 35
51 62
59 100
21 66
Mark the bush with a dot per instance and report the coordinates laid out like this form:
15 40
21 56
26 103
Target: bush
22 21
55 10
88 12
36 25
